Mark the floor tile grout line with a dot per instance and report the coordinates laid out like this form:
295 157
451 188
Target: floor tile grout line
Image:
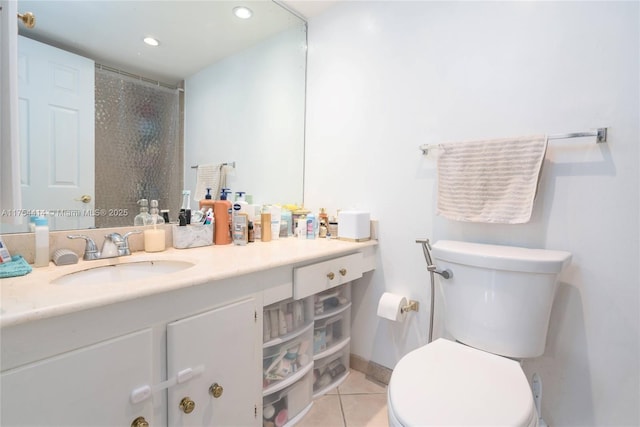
344 418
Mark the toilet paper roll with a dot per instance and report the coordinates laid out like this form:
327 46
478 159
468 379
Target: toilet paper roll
390 307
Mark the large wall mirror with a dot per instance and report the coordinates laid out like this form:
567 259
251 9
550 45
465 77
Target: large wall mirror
221 88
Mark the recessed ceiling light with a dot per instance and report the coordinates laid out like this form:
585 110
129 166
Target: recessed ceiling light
151 41
242 12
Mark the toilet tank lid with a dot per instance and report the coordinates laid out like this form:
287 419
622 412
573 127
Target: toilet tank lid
498 257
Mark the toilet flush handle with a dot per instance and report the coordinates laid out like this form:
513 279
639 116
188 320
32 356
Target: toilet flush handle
446 274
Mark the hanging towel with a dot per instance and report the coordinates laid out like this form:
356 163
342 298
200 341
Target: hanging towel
492 181
209 176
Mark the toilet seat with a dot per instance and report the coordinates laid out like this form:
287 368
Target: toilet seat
446 383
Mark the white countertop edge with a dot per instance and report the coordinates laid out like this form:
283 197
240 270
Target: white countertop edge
33 297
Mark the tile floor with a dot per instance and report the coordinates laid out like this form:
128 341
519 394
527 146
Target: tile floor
357 402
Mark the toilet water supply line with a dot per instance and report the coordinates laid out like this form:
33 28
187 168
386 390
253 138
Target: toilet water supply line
433 270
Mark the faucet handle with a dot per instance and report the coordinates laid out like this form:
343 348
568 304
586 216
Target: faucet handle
124 249
90 248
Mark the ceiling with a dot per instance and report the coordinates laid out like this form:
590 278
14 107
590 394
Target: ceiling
192 34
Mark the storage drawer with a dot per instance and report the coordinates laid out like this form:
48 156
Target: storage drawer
284 363
315 278
331 331
285 407
330 371
285 320
331 301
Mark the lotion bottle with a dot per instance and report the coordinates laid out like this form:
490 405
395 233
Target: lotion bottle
222 216
42 242
207 202
265 220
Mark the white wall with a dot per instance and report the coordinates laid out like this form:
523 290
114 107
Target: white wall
249 108
385 77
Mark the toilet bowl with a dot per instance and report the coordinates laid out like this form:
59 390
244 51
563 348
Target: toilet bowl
445 383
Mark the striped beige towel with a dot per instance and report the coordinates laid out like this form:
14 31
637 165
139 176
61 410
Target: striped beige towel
209 176
491 181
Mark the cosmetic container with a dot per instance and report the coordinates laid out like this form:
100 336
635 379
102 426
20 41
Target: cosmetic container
42 242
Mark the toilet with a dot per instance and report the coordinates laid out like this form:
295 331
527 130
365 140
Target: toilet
497 304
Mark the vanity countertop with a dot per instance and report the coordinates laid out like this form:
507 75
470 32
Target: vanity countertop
34 297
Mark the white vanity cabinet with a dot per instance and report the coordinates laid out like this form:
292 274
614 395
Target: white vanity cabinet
211 356
180 352
194 363
90 386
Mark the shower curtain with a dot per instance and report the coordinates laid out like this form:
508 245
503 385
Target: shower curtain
138 147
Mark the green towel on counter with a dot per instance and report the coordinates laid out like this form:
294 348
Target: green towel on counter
16 267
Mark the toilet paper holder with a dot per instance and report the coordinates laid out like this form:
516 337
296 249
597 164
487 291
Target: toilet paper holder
412 305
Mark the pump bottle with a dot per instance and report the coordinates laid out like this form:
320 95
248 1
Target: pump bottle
222 215
143 218
207 202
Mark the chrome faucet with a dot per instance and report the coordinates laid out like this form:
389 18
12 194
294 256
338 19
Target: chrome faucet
114 245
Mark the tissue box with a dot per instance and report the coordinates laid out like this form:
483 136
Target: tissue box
354 226
192 236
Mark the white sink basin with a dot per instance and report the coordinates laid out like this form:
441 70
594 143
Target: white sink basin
122 272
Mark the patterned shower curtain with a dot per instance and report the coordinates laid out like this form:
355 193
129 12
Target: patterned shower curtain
139 152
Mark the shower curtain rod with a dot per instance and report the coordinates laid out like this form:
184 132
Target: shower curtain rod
600 134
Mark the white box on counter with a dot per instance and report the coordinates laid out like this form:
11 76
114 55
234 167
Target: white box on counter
354 226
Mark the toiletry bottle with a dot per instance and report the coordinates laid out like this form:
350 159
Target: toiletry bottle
240 227
240 224
301 228
240 199
207 202
222 217
143 218
265 220
285 223
332 232
311 226
323 217
251 235
156 218
154 238
186 205
275 221
297 214
42 242
165 215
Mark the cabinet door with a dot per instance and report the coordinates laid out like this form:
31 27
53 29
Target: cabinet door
90 386
215 347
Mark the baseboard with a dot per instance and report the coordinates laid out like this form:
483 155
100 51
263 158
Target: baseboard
372 371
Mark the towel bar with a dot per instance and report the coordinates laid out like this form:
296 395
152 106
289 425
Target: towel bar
232 164
600 134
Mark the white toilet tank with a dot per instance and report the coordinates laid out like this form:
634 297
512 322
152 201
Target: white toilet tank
499 298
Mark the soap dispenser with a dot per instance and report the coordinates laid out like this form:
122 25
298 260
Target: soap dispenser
143 218
154 238
207 202
154 212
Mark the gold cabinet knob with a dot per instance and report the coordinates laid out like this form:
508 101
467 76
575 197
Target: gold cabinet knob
343 271
139 422
331 275
28 19
216 390
187 405
85 198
